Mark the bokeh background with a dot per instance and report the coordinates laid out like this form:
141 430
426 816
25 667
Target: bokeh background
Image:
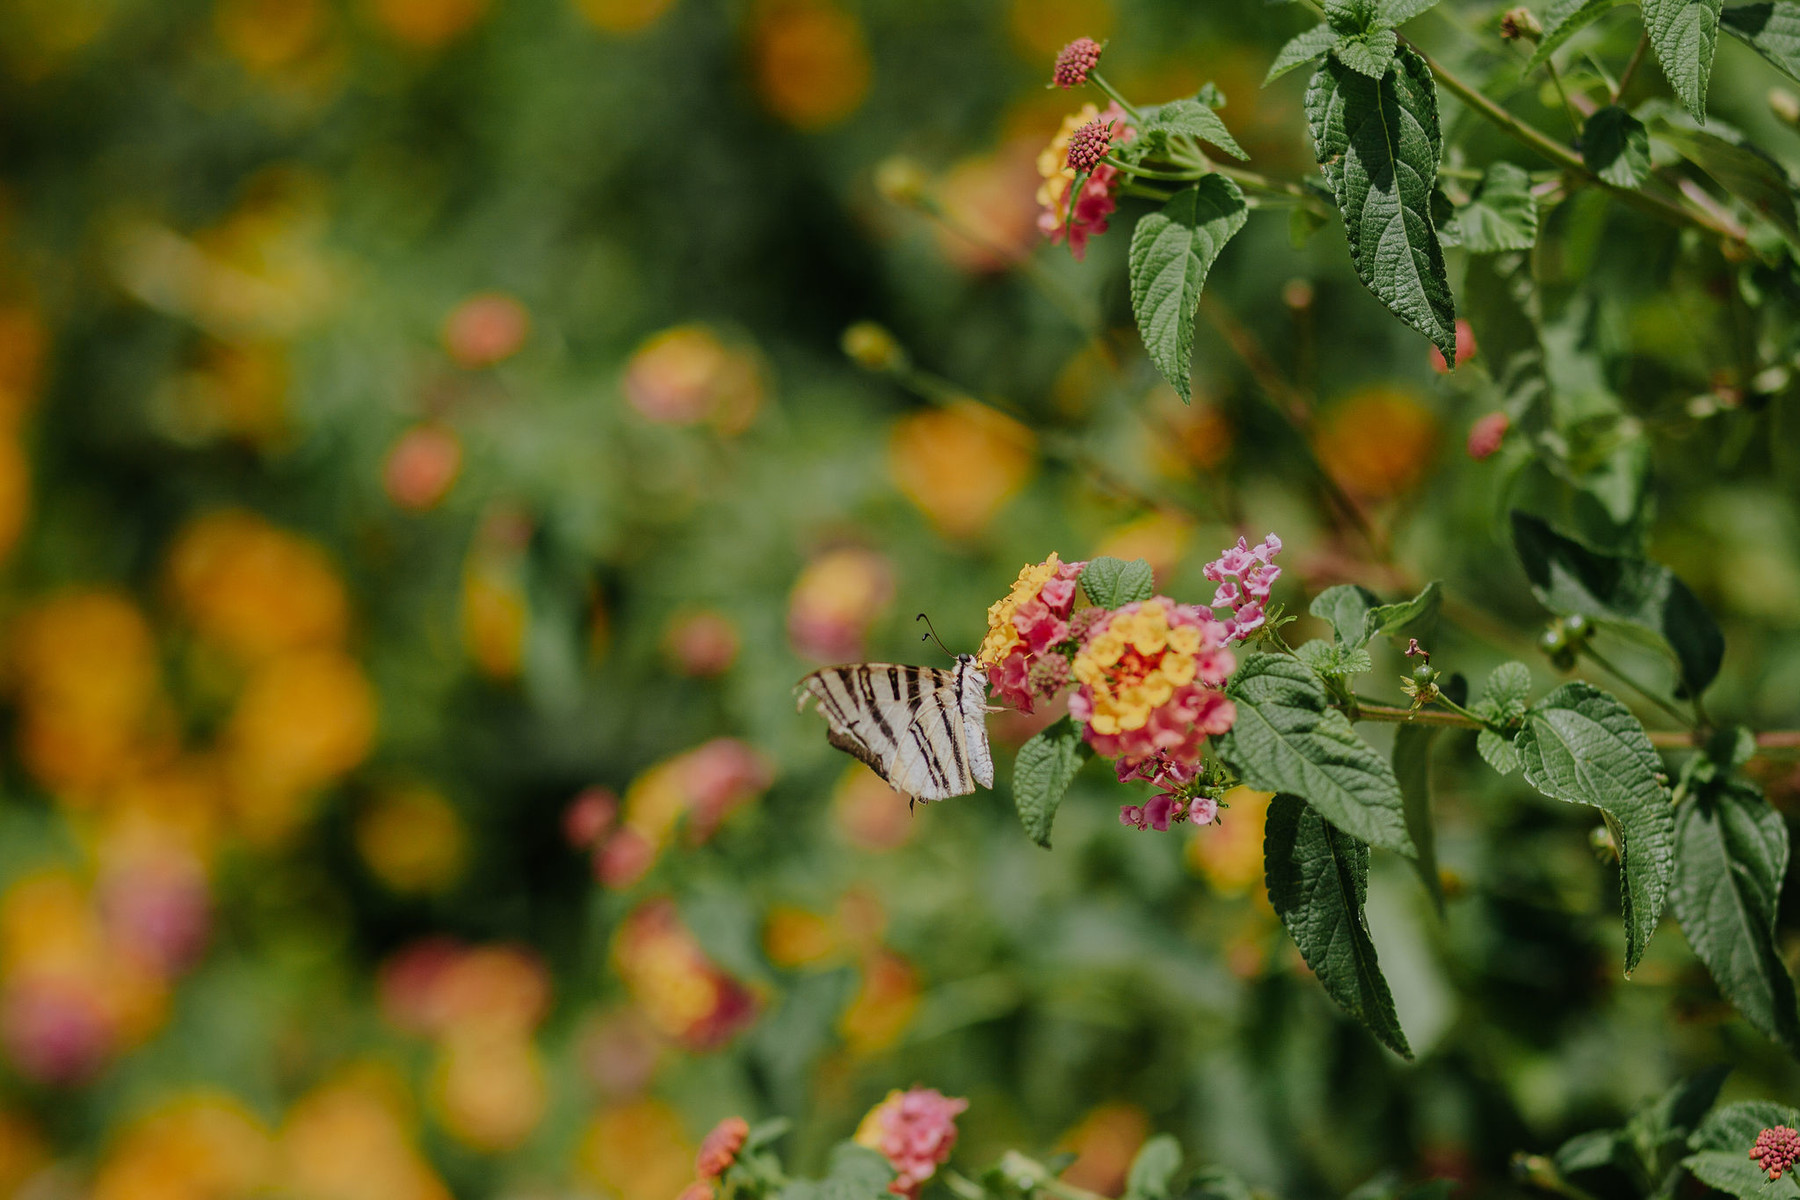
428 460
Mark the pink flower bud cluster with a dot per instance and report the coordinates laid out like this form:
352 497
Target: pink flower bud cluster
915 1131
1089 144
1245 574
1776 1150
1074 62
1178 801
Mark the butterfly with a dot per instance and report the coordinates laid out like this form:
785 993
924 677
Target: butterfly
923 729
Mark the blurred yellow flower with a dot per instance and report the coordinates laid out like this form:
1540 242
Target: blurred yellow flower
637 1151
37 37
23 1152
1042 27
811 61
267 34
1230 856
688 374
254 589
869 813
794 937
1377 442
495 617
303 720
427 23
351 1138
960 464
1161 538
202 1145
1192 437
622 16
883 1007
680 991
1104 1142
491 990
24 345
412 839
488 1088
238 390
989 196
838 595
15 491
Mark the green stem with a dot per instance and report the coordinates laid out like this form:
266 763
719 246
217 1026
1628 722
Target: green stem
1152 172
1637 59
1258 182
1566 158
1592 655
1568 109
1099 81
1666 739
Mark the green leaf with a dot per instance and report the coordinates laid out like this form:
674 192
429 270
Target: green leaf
1378 143
1288 738
1398 12
1616 147
1045 767
1684 34
1502 701
1318 879
1334 659
1110 582
1215 1183
1627 594
1153 1170
1497 751
1736 1175
1171 251
1581 745
1370 54
1565 19
1731 854
1196 120
1743 170
1391 618
1658 1132
1301 49
1352 17
764 1132
1412 767
1502 215
1772 30
855 1173
1588 1151
1346 608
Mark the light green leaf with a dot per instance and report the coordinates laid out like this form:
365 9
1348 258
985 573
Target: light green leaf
855 1173
1616 147
1334 659
1502 215
1507 689
1736 1175
1171 251
1301 49
1731 855
1378 143
1153 1171
1391 618
1588 1151
1196 120
1370 54
1412 767
1215 1183
1288 738
1565 19
1748 173
1581 745
1772 30
1497 751
1398 12
1318 879
1629 595
1045 767
1111 582
1346 607
1351 17
1684 34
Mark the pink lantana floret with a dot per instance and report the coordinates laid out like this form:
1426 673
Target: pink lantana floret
1246 575
915 1131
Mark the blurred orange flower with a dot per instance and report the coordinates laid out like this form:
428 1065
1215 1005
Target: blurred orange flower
1042 27
1161 538
422 466
637 1151
488 1087
1104 1143
485 329
686 375
991 197
23 1152
838 596
412 839
871 814
24 345
811 61
237 390
201 1145
883 1007
672 981
622 16
427 23
794 937
352 1138
701 642
1377 442
256 589
960 464
1229 857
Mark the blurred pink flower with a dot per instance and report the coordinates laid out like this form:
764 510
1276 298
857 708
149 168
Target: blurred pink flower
915 1130
56 1030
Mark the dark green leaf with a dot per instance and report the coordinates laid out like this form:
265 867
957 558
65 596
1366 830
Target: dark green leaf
1743 170
1171 251
1301 49
1391 618
1318 881
1110 582
1153 1170
1736 1175
1624 593
1565 19
1657 1134
1046 765
1215 1183
1370 54
1588 1151
1398 12
1196 120
1346 608
1684 34
1378 143
1772 30
1502 215
1731 854
1616 147
1412 767
1583 746
1288 738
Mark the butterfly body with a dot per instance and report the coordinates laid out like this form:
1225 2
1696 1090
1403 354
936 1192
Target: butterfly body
923 729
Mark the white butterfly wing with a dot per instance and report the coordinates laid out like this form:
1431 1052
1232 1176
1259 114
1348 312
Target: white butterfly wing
972 690
905 722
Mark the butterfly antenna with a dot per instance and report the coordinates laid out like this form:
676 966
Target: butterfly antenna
930 634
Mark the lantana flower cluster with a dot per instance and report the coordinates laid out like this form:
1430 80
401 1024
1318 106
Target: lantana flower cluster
1090 132
915 1131
1145 679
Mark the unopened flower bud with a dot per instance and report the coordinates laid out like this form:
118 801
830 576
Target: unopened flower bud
1785 105
1487 433
1089 144
1600 841
1074 62
1519 23
1776 1150
873 348
1297 294
900 180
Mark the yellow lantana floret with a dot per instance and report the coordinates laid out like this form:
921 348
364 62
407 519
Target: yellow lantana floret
1002 636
